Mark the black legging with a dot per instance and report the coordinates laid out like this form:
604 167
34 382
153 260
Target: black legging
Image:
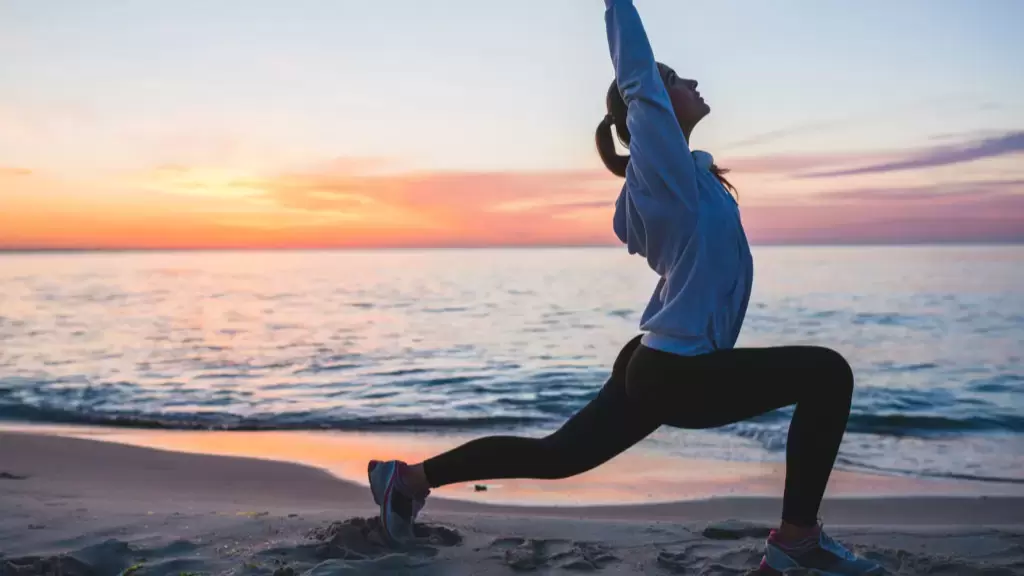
648 388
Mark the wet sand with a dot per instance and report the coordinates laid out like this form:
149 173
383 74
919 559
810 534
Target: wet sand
95 504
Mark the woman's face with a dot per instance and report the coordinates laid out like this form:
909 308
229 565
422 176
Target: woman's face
689 106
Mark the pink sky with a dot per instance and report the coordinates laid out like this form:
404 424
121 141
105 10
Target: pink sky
394 123
968 191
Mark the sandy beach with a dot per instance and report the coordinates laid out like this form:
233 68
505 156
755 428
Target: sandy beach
74 505
247 248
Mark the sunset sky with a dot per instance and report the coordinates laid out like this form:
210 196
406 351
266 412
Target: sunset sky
338 123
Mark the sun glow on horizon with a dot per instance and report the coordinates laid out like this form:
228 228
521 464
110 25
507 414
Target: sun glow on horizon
373 124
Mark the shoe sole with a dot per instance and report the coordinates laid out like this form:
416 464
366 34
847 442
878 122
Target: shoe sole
383 500
818 572
876 571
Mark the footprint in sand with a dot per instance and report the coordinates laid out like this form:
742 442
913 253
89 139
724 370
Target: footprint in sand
109 557
533 554
357 542
675 562
64 565
355 546
714 562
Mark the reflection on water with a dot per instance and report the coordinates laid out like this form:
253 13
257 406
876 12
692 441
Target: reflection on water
472 341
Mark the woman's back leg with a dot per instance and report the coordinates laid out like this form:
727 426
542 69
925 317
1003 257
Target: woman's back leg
602 429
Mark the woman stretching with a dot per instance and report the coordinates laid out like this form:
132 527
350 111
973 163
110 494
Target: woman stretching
676 212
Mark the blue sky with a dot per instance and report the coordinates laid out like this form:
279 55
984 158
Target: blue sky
100 89
495 84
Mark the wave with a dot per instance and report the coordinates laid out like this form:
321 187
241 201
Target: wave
537 413
260 422
927 425
903 424
851 464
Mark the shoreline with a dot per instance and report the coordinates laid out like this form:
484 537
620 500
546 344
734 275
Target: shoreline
637 476
89 506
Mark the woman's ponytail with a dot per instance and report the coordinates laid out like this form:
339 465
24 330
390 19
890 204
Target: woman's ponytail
614 126
605 140
720 174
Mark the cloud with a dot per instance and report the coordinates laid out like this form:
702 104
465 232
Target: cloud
314 192
342 205
441 191
960 136
559 203
339 197
202 182
794 163
440 208
358 201
834 165
946 191
978 211
6 171
781 133
1005 144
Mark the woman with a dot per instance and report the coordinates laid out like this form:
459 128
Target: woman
675 211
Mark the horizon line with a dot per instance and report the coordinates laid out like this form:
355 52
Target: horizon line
878 244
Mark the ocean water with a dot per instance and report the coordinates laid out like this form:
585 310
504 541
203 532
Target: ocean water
486 341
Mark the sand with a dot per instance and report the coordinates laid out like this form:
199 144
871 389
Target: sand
84 506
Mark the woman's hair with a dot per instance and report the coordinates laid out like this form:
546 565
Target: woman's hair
615 121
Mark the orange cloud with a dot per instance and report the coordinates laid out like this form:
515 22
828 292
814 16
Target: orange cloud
454 208
10 171
337 206
354 204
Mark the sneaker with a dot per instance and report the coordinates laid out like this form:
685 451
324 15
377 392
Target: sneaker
818 554
398 505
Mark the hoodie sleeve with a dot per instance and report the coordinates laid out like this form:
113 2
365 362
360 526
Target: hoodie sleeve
660 158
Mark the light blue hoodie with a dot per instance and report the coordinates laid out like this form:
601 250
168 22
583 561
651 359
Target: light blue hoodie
673 211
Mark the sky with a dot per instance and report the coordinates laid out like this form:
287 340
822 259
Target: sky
336 123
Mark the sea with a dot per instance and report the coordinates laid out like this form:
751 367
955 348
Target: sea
482 341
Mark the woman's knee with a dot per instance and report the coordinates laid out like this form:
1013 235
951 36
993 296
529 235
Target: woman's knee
835 370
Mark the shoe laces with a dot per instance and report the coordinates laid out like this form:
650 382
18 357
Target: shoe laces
833 546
